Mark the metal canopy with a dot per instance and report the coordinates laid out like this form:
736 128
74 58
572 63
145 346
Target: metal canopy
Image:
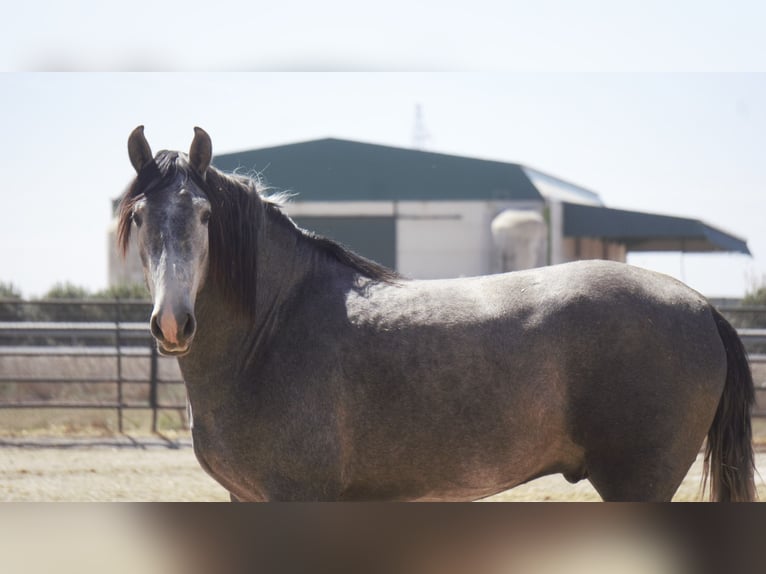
647 231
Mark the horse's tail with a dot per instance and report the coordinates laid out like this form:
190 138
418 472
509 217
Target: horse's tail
729 460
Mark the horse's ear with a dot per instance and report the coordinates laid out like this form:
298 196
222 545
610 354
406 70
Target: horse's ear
201 151
138 149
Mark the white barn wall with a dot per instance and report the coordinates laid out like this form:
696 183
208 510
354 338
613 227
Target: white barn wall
443 239
127 271
438 240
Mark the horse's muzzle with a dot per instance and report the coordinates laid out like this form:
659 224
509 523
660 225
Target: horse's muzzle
173 330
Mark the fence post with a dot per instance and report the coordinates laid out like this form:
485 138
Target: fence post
153 368
118 341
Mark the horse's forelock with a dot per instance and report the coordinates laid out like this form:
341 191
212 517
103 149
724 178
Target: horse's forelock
155 174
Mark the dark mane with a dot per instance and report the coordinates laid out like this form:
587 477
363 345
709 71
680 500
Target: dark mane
366 267
239 209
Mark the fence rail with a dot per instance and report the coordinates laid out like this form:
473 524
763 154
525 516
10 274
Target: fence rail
125 341
83 339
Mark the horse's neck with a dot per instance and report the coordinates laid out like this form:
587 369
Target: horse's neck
229 341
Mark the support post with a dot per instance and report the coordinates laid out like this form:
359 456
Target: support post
118 342
153 368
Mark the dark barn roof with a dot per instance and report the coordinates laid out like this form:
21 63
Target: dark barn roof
647 231
342 170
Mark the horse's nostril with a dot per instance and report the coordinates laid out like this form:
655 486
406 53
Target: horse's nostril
154 326
189 326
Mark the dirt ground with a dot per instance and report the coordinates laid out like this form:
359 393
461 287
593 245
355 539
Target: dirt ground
154 469
105 472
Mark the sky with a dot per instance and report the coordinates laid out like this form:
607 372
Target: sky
521 35
681 144
656 106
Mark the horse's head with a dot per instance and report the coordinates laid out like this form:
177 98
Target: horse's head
170 213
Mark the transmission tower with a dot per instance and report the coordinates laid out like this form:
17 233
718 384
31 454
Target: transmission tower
420 135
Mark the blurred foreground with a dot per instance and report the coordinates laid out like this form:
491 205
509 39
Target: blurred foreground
377 539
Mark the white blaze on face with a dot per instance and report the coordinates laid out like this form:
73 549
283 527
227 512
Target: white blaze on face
176 280
175 248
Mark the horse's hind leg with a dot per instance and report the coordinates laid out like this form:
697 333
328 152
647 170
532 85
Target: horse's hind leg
638 478
639 443
647 456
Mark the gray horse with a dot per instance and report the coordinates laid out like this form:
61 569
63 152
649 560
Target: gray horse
315 374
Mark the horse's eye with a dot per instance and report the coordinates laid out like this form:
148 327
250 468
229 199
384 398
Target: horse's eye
205 217
137 219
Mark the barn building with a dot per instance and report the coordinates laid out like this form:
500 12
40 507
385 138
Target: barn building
433 215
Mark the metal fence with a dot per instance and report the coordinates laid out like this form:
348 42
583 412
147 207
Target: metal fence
98 351
29 339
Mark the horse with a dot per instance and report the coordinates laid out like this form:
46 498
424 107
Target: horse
314 374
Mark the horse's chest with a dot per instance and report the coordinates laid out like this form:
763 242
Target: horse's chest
225 460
